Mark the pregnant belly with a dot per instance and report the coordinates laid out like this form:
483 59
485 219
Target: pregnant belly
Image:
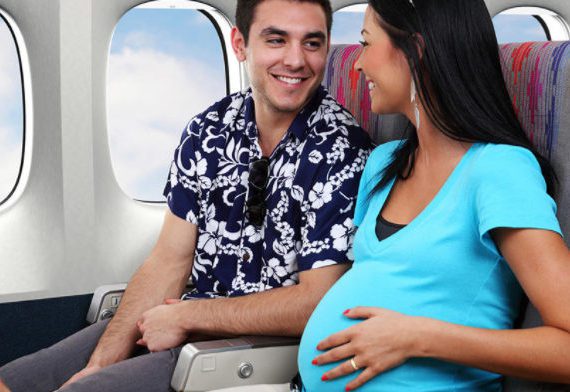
362 286
349 291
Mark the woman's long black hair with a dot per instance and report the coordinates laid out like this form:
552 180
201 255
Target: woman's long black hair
458 76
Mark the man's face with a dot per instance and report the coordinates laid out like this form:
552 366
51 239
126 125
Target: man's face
286 53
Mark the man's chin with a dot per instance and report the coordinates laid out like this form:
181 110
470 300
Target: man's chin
287 104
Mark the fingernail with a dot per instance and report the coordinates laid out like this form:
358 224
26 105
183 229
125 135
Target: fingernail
324 377
314 362
348 389
346 311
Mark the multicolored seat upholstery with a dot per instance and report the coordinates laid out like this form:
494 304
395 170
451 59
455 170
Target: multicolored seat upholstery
537 75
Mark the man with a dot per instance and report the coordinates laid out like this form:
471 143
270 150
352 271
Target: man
261 194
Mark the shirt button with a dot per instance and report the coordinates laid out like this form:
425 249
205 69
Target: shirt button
245 257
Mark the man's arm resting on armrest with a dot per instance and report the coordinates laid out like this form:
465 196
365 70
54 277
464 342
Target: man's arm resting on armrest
280 311
163 275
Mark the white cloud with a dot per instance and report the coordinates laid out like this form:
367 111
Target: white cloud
151 97
139 39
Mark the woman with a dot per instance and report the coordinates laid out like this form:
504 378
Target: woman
452 222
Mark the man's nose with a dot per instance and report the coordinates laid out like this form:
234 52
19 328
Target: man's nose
295 56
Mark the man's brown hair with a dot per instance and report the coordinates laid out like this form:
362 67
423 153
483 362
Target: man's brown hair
245 13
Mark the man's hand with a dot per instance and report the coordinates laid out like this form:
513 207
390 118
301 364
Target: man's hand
83 373
161 327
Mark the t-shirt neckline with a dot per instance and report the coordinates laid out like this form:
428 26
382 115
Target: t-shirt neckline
425 213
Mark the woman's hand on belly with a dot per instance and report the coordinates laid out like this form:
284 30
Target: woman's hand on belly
384 340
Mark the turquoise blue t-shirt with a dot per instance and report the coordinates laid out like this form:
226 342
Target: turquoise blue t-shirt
442 265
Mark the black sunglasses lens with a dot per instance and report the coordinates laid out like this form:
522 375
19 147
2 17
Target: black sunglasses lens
255 214
258 175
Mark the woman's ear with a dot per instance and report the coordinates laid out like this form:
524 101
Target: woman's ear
420 44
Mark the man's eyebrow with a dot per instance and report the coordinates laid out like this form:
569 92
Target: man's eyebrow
276 31
316 34
273 31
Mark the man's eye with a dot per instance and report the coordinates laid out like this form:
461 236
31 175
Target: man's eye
313 44
275 41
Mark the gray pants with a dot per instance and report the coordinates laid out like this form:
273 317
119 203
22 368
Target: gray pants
48 369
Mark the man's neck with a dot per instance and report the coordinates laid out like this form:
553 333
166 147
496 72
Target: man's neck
272 126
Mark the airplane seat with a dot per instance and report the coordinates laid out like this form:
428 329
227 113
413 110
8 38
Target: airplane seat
537 75
538 80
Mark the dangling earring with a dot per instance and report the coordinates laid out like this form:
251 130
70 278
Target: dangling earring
413 94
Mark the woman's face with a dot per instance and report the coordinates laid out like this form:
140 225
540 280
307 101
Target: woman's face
385 67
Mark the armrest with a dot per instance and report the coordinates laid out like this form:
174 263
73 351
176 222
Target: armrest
105 302
247 360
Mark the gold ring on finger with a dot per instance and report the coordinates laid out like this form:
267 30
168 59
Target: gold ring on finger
353 363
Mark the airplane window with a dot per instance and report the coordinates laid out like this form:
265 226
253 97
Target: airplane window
522 24
518 24
11 112
518 28
347 23
166 65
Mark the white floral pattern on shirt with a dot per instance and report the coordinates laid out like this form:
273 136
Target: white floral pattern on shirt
313 181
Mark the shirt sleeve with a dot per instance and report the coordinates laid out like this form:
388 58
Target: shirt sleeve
329 179
511 192
182 190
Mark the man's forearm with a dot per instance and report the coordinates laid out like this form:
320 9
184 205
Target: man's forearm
150 286
282 311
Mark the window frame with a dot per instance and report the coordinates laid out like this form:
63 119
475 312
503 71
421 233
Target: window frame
232 68
555 27
27 119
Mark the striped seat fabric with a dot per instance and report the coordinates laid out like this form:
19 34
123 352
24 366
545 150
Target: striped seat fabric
537 75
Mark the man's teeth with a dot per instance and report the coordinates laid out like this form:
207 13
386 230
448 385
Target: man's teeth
289 80
371 85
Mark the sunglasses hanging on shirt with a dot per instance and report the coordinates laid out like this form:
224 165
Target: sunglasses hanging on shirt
257 181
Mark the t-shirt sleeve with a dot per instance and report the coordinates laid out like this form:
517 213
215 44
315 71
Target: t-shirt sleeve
511 192
327 192
182 190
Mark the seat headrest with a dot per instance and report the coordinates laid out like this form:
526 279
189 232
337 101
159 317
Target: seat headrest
537 75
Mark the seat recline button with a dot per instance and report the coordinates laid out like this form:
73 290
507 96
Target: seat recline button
245 370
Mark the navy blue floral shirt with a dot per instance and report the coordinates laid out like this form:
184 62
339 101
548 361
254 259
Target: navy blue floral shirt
310 196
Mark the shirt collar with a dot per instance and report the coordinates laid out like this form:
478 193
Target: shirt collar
298 127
